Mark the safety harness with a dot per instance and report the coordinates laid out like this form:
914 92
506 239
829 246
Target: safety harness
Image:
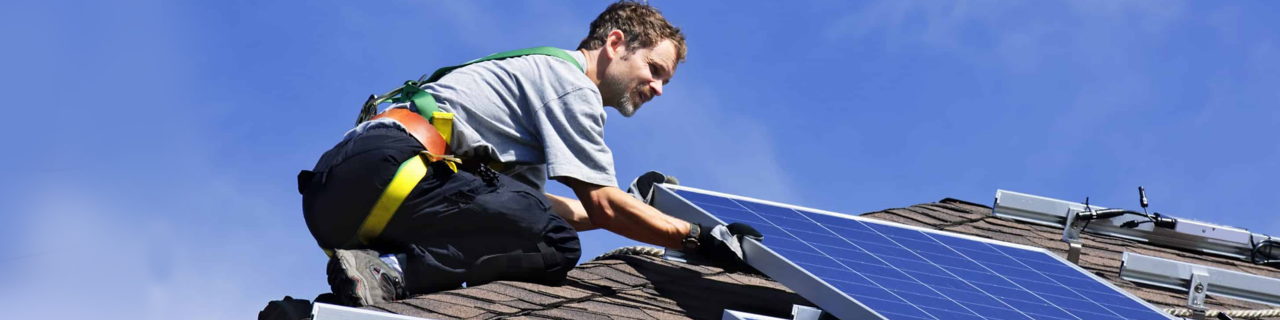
430 127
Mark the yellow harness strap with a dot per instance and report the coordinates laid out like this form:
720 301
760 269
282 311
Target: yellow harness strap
443 121
408 176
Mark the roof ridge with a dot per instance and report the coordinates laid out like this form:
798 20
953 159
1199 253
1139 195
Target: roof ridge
950 200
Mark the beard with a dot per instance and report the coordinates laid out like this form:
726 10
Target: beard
627 100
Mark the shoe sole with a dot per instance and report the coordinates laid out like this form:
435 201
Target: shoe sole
340 278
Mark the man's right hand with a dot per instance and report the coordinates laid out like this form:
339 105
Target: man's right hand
723 245
642 186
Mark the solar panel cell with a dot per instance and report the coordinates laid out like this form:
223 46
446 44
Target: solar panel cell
905 273
1076 306
894 309
992 312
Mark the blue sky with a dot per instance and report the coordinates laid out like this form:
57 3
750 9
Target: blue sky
153 145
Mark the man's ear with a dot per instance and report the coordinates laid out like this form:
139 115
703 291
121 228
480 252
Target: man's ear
615 44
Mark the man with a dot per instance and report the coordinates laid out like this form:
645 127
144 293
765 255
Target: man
541 117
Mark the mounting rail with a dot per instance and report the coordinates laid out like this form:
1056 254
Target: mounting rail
1207 280
1187 234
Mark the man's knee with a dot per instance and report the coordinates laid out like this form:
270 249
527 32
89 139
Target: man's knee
545 263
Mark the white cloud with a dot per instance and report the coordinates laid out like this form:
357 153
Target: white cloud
96 263
1149 15
110 256
1094 40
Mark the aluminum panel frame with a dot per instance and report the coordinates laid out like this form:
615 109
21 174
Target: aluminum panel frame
325 311
771 263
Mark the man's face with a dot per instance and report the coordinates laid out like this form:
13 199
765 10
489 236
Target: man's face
638 76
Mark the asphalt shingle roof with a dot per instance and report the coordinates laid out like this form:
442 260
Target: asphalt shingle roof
646 287
623 287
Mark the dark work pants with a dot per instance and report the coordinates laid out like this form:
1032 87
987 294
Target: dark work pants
453 227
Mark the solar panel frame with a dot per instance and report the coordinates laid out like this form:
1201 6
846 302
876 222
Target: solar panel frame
739 315
809 285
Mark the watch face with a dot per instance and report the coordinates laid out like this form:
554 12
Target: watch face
690 244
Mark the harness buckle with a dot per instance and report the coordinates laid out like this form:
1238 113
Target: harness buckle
368 110
450 161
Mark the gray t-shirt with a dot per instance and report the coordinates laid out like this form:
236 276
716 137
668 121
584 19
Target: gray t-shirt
540 115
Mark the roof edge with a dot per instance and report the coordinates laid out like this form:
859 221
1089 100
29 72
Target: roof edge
954 200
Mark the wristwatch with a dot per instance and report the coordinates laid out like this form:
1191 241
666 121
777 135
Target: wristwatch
690 242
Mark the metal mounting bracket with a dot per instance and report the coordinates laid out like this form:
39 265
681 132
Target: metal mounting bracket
1071 236
799 312
1073 251
1196 292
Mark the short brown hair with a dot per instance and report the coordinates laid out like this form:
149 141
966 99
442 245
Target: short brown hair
643 25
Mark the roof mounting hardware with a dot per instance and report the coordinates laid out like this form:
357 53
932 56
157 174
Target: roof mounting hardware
799 312
1199 280
1071 236
1262 253
1196 292
1089 215
1139 226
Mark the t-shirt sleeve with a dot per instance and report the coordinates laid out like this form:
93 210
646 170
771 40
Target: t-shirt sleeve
572 130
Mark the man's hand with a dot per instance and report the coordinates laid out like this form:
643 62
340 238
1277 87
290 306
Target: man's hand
642 186
723 245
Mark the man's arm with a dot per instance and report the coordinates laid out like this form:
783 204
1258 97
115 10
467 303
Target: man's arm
571 210
614 210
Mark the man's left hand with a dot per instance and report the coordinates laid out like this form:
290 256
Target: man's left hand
723 245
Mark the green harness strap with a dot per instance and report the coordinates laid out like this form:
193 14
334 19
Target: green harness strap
546 51
426 104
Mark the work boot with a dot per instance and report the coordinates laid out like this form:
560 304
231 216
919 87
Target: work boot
642 186
360 278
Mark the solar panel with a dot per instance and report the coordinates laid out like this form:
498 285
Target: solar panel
858 268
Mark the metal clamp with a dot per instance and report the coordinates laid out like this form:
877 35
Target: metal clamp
1071 236
1196 292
